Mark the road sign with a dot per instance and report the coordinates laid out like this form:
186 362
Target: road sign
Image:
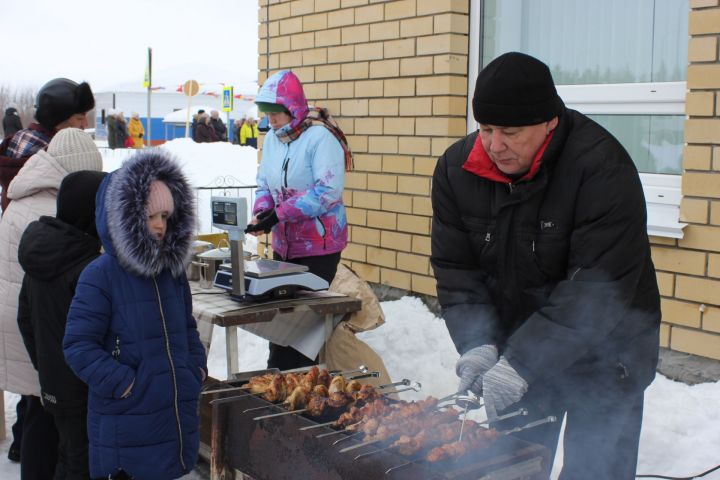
191 88
227 103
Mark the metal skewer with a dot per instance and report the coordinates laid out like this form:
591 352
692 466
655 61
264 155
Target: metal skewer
360 369
359 445
328 434
345 438
548 419
281 414
416 386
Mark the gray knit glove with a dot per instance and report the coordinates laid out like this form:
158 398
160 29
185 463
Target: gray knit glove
502 386
472 365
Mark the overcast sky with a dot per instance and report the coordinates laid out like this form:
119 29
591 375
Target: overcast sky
105 43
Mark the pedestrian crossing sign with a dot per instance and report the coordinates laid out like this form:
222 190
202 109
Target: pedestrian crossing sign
227 102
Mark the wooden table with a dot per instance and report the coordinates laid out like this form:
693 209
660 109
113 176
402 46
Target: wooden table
214 306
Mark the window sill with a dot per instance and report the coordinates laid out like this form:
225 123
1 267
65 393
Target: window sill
663 195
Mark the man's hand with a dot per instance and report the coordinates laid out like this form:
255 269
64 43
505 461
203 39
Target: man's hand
472 365
264 221
502 387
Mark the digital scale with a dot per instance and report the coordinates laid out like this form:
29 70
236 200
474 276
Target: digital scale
255 279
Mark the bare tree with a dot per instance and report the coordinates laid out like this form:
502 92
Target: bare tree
23 99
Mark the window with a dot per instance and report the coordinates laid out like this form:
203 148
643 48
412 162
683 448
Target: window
622 63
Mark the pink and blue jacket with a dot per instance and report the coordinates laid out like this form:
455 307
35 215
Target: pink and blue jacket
303 179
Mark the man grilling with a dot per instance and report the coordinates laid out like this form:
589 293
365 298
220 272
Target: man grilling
543 268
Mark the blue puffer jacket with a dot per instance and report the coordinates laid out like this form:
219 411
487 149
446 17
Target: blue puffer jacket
131 321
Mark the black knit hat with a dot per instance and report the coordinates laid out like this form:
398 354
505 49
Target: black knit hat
60 99
515 90
76 199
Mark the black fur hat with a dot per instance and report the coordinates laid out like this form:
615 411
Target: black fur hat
61 98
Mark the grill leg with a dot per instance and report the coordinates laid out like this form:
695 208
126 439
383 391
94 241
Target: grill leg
218 467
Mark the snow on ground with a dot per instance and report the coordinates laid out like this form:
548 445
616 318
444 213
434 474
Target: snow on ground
681 424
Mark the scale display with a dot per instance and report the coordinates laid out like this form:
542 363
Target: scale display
225 213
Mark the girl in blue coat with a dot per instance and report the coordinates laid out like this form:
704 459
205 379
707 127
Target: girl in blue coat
130 332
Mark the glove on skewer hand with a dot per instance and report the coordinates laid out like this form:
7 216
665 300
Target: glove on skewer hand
472 365
266 220
502 387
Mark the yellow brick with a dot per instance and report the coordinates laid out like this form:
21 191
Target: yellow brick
316 56
442 85
663 241
396 241
352 3
422 206
450 63
356 216
383 144
413 224
302 41
711 319
439 126
382 220
714 265
385 31
341 18
697 157
397 164
262 62
354 251
413 185
305 74
395 278
327 73
666 284
715 213
369 273
328 38
273 29
369 14
703 3
412 263
716 156
316 91
680 313
276 12
341 90
262 30
414 145
382 182
377 256
331 105
697 289
370 200
439 145
421 244
396 203
442 6
694 210
399 48
312 23
415 107
368 126
424 285
696 342
451 23
347 124
368 51
369 88
700 103
325 5
356 180
399 87
290 26
357 108
302 7
289 60
443 43
416 27
701 184
358 143
449 105
279 44
354 71
416 66
347 197
384 68
366 236
340 54
424 165
664 335
274 64
355 34
702 49
704 21
384 107
400 9
399 126
679 261
703 76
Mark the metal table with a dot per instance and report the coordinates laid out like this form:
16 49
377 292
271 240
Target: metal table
212 305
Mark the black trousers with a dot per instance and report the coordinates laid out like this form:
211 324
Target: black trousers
17 427
73 462
602 430
38 452
325 267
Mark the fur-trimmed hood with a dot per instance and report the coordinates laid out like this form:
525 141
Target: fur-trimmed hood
122 220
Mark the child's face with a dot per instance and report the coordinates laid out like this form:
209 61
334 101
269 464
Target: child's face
157 224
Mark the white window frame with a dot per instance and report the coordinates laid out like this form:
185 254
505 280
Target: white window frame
662 191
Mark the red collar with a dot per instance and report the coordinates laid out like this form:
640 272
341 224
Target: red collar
480 164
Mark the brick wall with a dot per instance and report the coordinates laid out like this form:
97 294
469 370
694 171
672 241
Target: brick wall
394 75
689 269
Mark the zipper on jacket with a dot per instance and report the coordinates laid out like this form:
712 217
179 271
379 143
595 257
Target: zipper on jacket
172 370
116 351
324 235
510 187
285 170
488 237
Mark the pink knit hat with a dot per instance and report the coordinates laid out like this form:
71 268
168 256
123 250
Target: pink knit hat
159 199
